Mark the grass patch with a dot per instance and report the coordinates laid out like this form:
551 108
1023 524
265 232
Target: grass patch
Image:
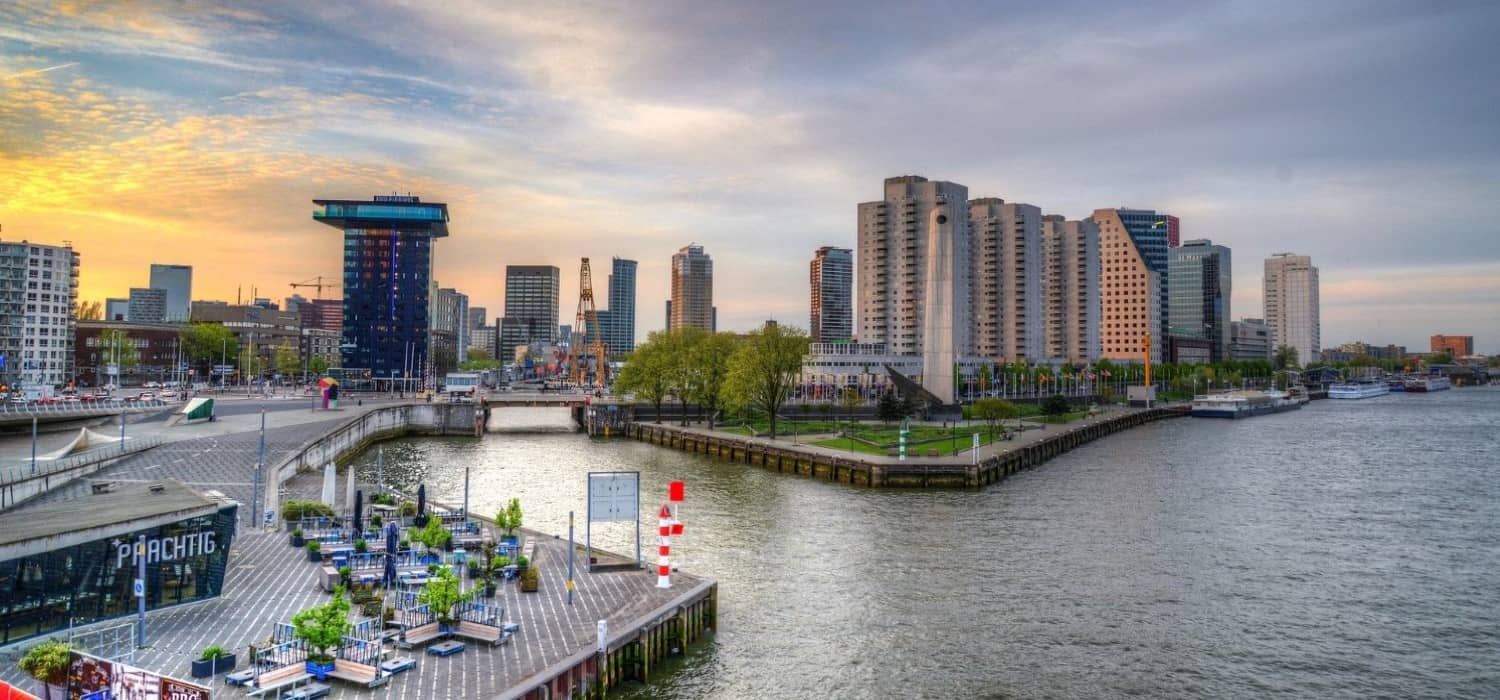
1064 418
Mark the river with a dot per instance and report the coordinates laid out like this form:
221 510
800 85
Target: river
1349 549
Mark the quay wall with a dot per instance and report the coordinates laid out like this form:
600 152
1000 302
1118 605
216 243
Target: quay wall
856 470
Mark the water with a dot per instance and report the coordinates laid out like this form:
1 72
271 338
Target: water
1345 550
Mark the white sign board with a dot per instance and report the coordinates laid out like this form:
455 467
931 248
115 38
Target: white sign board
614 496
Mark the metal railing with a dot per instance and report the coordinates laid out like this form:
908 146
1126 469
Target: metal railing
25 471
69 408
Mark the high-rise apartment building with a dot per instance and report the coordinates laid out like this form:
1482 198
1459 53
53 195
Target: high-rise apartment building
177 282
388 258
451 315
1198 304
38 294
1006 292
1292 306
531 298
483 338
1455 345
147 305
832 278
1070 289
1133 284
116 309
618 321
1249 339
914 270
692 290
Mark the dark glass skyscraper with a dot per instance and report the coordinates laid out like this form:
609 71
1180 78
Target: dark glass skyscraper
1200 287
619 324
387 282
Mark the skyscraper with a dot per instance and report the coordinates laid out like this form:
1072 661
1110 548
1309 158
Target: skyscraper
831 275
147 305
618 322
451 317
531 297
1198 305
1291 299
1006 292
116 309
1133 284
914 271
177 282
692 289
478 316
1070 289
38 290
388 255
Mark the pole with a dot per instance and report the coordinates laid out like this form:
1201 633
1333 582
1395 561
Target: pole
588 530
380 468
140 591
122 433
466 492
571 549
260 459
33 444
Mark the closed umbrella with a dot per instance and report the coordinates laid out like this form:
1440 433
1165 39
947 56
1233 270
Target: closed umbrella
330 486
390 554
421 505
349 488
359 502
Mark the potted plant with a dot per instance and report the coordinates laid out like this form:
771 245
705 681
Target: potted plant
376 521
440 594
404 545
361 546
344 576
214 660
530 579
509 519
323 627
407 509
297 540
522 563
314 551
48 663
489 583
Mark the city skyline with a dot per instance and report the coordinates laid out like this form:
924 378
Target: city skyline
205 130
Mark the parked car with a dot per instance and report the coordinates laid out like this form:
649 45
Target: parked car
145 396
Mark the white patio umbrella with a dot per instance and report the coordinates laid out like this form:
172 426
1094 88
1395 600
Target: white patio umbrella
349 491
330 485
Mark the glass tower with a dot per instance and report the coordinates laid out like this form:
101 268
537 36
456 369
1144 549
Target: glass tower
387 283
1200 286
619 325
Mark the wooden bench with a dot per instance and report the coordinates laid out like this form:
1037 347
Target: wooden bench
482 632
420 635
367 676
279 678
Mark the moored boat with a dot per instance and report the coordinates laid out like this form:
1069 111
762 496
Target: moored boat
1358 390
1243 404
1429 383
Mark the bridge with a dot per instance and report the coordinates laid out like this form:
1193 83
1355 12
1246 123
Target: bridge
593 414
17 416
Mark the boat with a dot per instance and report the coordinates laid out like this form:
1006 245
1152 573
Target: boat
1358 390
1435 382
1243 404
1396 384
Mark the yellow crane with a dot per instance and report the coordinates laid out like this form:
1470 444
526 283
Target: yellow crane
588 337
318 284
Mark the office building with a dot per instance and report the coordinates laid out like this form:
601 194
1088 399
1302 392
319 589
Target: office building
38 293
1133 284
177 282
147 305
1455 345
618 321
831 277
565 334
451 315
1070 290
1006 288
157 352
116 309
478 317
294 303
531 298
1198 304
483 338
1249 339
1292 306
327 314
388 257
692 303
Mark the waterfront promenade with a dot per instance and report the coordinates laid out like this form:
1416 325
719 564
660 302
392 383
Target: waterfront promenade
268 581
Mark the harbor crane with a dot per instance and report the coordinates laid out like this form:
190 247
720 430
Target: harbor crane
588 337
318 284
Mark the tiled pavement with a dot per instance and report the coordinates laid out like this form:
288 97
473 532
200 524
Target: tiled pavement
269 581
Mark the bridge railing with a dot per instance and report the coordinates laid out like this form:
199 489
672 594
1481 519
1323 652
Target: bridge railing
70 408
13 473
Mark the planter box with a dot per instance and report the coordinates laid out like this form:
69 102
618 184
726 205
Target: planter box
319 671
489 590
298 541
314 556
205 669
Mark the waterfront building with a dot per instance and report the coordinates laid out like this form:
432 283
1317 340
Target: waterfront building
177 282
157 347
327 314
1133 284
75 559
388 257
1070 290
38 295
618 321
451 315
1198 304
147 305
692 303
1005 290
531 299
1291 305
831 277
1249 339
116 309
1455 345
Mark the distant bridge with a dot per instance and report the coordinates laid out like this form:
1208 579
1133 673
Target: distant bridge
15 415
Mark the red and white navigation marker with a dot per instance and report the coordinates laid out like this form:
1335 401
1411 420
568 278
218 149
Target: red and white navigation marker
664 555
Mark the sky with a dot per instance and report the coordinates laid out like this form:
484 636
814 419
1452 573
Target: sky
1365 134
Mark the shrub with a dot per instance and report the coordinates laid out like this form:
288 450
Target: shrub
314 545
297 510
1055 405
530 579
361 546
48 662
509 517
297 532
407 509
376 521
213 651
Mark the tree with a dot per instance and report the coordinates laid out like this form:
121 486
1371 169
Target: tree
763 370
433 535
323 627
509 517
1055 405
441 593
473 365
207 343
288 363
1494 361
477 355
645 372
1284 358
985 377
682 373
850 400
890 409
994 411
317 366
1438 358
90 310
48 662
117 347
711 356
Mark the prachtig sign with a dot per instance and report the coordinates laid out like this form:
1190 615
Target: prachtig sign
165 548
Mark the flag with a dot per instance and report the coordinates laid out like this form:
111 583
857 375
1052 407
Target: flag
1106 373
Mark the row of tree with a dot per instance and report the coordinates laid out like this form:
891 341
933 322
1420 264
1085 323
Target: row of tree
715 371
205 344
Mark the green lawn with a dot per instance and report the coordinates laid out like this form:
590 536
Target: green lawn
1064 418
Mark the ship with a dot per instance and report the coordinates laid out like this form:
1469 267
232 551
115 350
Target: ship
1358 390
1243 404
1435 382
